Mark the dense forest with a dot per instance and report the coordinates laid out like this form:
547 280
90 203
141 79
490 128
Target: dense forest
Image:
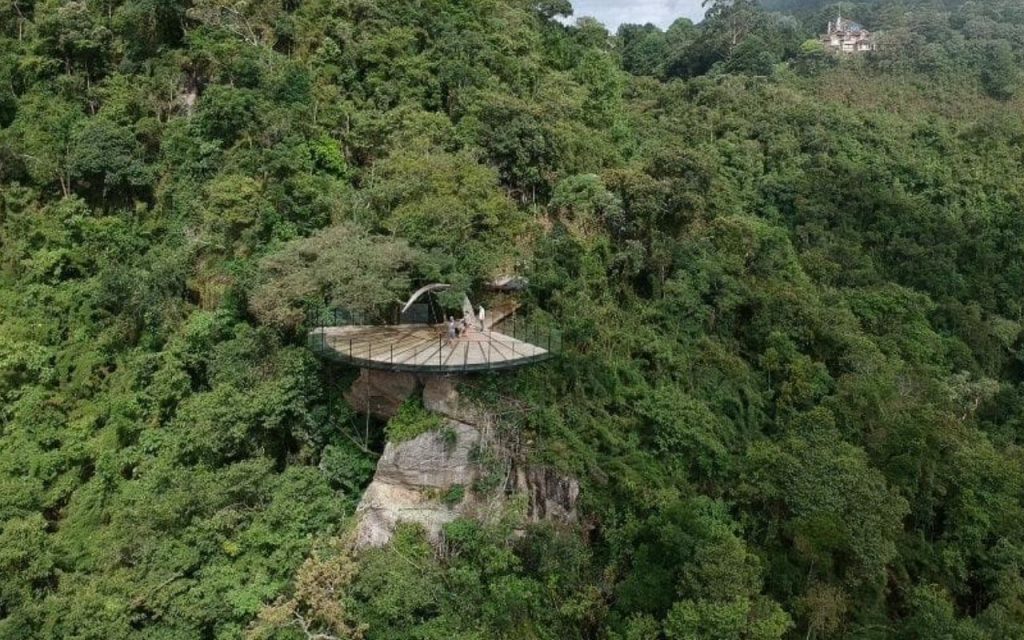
790 285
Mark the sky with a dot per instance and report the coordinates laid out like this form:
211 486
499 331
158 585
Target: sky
612 13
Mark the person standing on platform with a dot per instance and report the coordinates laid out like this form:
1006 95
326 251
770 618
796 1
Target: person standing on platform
482 316
452 332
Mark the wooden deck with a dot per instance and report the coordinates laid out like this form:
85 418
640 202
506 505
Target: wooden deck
423 348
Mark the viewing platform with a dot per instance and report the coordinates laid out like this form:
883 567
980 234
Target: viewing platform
425 337
421 348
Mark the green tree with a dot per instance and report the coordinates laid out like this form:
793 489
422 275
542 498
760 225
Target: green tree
342 266
46 126
999 72
643 48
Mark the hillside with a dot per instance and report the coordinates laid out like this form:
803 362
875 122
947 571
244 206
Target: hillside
790 288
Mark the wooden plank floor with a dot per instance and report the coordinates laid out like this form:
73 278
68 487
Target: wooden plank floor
423 348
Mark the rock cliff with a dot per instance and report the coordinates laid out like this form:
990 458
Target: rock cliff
466 469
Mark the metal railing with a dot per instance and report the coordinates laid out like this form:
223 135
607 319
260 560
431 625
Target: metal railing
335 317
513 342
340 317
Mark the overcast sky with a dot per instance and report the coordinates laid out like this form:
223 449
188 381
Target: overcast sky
660 12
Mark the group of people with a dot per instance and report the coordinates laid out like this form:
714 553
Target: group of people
460 328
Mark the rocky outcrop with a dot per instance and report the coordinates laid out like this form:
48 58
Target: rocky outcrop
466 469
435 460
381 393
441 396
415 482
552 495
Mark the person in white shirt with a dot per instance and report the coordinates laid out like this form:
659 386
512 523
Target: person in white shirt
482 316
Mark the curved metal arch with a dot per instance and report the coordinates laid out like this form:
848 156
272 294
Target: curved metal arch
430 288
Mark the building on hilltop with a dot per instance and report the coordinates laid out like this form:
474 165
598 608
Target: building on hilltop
847 36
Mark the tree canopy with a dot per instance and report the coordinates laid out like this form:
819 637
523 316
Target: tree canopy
789 284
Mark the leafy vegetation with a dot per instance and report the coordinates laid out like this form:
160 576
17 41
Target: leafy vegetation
412 421
789 284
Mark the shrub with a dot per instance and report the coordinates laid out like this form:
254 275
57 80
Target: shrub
411 421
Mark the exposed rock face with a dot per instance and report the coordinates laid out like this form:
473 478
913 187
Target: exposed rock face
553 496
381 393
432 460
441 396
419 480
411 480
